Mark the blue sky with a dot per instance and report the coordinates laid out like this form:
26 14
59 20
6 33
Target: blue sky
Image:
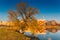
50 9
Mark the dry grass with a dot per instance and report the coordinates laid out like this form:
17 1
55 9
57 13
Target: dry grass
11 35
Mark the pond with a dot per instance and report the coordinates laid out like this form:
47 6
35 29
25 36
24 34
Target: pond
48 35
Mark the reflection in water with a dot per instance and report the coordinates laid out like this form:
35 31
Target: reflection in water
49 36
52 30
31 36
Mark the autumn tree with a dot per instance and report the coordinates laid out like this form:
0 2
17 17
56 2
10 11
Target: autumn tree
26 13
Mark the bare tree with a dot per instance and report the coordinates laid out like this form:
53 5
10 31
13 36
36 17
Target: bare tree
25 11
12 15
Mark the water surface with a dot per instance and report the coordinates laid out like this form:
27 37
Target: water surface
50 36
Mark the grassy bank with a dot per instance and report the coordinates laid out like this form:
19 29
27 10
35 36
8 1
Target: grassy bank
6 34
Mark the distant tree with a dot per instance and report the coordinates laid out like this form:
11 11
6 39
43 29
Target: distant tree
54 23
